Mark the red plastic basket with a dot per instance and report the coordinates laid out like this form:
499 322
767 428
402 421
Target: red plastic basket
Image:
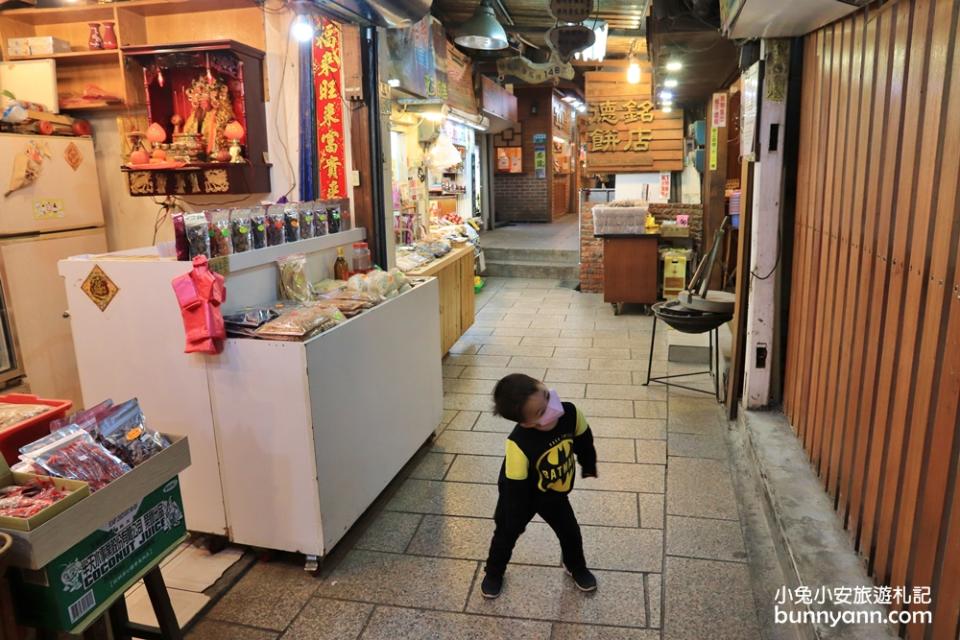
14 437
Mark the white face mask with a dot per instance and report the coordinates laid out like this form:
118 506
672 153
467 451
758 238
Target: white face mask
554 410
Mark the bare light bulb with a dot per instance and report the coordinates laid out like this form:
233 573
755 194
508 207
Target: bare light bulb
674 65
670 83
302 29
633 73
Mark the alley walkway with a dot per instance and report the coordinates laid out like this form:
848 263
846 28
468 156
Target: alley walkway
665 540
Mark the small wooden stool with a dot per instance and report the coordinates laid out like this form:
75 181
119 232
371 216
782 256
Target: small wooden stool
116 620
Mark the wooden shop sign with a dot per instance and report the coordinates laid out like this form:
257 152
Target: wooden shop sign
624 131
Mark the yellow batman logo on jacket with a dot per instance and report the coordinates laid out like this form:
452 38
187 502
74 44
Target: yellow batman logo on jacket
555 468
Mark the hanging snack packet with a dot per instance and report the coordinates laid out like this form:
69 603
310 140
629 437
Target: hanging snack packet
240 232
126 434
275 232
334 218
258 228
198 234
321 227
72 453
294 284
291 226
220 243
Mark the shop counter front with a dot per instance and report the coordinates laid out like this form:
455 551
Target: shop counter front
630 268
455 273
292 441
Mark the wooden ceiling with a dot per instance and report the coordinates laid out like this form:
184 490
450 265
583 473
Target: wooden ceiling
710 61
529 20
669 28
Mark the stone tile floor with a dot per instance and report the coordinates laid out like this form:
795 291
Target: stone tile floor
660 524
562 233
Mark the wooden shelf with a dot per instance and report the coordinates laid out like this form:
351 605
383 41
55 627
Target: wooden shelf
95 106
97 12
76 57
61 15
137 23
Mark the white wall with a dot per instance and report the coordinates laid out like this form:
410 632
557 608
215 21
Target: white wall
639 186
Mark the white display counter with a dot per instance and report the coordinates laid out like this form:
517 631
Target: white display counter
291 441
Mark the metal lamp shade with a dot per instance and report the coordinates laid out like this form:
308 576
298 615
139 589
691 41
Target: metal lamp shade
482 31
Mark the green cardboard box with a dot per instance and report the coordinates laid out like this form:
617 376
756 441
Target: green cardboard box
79 584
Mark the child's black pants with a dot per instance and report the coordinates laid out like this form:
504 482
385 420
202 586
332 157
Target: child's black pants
511 521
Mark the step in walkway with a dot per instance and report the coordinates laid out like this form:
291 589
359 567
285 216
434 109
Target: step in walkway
556 264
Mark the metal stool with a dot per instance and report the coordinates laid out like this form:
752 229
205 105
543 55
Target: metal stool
688 321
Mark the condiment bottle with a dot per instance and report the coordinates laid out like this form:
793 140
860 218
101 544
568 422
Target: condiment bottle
361 257
340 269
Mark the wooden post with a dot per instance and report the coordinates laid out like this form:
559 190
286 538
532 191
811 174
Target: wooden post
765 235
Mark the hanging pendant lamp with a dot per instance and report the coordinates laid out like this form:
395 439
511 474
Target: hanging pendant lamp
482 31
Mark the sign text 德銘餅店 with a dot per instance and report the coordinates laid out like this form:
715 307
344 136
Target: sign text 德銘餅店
625 132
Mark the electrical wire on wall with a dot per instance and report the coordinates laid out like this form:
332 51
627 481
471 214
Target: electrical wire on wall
284 7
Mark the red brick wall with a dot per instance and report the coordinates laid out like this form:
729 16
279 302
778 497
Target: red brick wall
591 254
523 197
591 249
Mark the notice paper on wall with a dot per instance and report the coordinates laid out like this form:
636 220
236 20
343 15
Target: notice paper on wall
719 110
713 148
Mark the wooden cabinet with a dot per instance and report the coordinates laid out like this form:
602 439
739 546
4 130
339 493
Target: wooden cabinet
630 269
455 274
137 22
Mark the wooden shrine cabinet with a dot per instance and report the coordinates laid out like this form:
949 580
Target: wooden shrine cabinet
194 91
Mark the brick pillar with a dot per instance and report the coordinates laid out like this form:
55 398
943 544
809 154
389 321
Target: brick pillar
591 254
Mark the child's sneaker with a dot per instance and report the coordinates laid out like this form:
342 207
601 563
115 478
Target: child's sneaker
584 580
492 585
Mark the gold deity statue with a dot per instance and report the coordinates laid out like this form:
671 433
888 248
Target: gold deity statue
210 111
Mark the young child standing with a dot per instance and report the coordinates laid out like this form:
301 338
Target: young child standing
537 475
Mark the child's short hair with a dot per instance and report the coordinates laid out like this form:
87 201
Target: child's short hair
511 394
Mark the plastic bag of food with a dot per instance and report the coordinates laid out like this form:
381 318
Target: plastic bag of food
28 466
124 431
291 223
294 284
198 234
258 229
307 226
13 414
87 419
27 500
300 323
275 231
180 237
220 242
334 218
320 222
241 233
72 453
324 287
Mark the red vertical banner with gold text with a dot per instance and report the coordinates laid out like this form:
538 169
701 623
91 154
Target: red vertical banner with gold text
328 93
